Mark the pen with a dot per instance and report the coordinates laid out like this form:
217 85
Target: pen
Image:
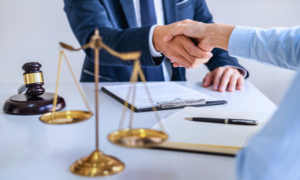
223 121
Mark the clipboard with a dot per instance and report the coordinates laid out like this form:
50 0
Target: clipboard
177 103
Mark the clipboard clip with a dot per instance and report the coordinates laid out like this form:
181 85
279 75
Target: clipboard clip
178 102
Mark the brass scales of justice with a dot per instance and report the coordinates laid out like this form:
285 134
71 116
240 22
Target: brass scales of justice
97 163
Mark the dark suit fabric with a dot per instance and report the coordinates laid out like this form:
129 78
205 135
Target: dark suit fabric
117 25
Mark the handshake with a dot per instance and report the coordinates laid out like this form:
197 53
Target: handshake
189 44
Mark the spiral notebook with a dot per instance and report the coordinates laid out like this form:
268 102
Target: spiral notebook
165 95
225 139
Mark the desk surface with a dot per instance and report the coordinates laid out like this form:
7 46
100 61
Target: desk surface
32 150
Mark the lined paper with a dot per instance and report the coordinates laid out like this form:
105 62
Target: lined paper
161 92
184 131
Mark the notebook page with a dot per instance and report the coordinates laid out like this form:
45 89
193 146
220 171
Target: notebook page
160 92
184 131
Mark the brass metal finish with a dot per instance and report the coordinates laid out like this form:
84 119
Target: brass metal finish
97 43
97 164
65 117
33 78
123 56
137 72
70 48
93 44
139 138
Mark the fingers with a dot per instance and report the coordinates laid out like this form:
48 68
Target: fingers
240 83
233 82
227 77
208 79
192 55
185 53
218 75
179 64
236 81
193 62
181 61
175 65
195 51
223 77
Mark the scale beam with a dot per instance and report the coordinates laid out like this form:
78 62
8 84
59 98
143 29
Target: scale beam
97 163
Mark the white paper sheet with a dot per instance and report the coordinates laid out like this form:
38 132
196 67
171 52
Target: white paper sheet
160 92
184 131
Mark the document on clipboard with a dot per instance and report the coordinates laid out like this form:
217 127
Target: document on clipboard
165 95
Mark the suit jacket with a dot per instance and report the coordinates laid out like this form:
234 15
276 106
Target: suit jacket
117 25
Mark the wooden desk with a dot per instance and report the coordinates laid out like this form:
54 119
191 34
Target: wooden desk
32 150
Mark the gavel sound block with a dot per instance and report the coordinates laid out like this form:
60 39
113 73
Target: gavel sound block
35 100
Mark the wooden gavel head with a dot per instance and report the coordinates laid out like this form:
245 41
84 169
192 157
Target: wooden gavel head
33 79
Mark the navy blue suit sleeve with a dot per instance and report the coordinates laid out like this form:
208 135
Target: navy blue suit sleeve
86 15
220 57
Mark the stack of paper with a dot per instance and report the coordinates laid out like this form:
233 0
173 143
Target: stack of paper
210 137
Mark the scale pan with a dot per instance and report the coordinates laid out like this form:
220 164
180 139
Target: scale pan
65 117
137 138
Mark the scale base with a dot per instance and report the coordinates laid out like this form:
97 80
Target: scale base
97 164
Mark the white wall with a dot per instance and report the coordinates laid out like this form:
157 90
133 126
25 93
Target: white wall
30 31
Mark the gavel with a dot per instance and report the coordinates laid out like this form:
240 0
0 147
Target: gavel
33 80
32 98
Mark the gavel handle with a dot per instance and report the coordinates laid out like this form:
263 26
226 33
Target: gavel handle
22 89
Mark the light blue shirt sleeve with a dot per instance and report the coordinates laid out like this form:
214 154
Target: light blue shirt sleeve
276 46
273 153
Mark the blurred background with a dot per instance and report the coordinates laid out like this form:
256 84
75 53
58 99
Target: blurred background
30 31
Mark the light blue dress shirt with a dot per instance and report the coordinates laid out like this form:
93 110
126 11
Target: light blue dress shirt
273 153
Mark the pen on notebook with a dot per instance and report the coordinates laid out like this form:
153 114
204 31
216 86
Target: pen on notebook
223 121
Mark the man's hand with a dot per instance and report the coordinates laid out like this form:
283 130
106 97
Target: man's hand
209 36
224 77
180 49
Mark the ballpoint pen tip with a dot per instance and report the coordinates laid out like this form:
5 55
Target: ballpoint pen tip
190 119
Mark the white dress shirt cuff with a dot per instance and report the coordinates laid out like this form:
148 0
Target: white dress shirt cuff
152 50
241 70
